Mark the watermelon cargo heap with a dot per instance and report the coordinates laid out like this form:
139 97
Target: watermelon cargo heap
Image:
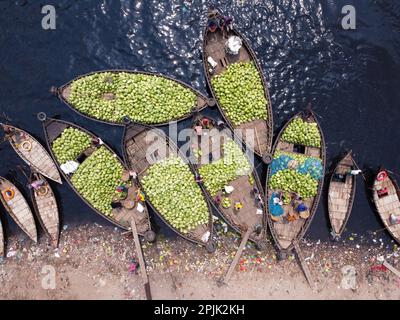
171 188
232 165
241 94
98 177
296 173
302 132
149 99
70 144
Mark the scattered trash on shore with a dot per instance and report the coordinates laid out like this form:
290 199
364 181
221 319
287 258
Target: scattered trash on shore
112 253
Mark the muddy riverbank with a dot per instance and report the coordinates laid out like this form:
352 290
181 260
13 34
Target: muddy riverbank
98 262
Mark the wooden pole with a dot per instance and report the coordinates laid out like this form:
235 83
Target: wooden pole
358 168
142 264
378 230
304 265
258 141
237 256
391 268
1 240
23 172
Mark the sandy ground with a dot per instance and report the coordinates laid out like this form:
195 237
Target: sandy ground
96 262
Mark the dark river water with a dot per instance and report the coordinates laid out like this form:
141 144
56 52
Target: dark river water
352 77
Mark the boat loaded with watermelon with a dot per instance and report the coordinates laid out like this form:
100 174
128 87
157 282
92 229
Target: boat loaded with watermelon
148 98
97 175
237 83
169 183
295 179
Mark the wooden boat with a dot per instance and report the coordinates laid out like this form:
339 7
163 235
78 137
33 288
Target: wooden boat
144 146
129 209
32 152
64 93
214 43
208 139
1 240
386 197
46 208
341 193
290 226
18 208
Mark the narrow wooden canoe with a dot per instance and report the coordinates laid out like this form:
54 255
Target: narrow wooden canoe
290 226
341 193
144 146
32 152
1 240
201 101
46 208
16 205
214 47
386 197
121 216
252 214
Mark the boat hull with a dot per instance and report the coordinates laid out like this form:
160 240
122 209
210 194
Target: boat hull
33 153
213 46
136 141
18 208
46 208
286 234
63 93
388 204
341 195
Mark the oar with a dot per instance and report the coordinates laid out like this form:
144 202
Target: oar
21 168
228 275
378 230
394 173
304 265
143 270
391 268
358 168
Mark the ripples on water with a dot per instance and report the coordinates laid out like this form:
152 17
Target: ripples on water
351 77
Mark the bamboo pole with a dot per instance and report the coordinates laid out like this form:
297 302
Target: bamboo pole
304 265
258 140
391 268
237 256
139 251
358 168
